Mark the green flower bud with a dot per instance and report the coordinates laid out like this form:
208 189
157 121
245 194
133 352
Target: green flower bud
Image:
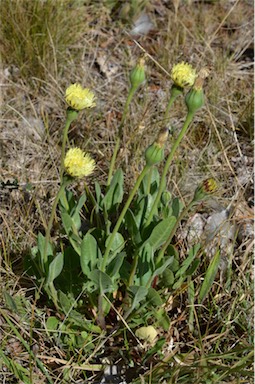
137 75
166 197
207 187
155 152
195 97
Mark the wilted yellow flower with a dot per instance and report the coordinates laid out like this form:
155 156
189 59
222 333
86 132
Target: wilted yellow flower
207 187
147 334
78 163
183 75
79 98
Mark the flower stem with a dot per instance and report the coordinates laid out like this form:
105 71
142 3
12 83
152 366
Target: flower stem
122 214
120 133
47 234
169 105
167 165
71 115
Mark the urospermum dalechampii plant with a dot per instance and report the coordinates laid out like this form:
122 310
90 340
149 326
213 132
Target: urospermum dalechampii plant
115 240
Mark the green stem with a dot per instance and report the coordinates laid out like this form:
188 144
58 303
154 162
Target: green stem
120 133
124 115
148 189
113 160
169 105
167 165
122 214
71 115
133 269
53 211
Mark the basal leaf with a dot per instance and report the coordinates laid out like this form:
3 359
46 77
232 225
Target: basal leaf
55 268
90 254
103 282
161 232
209 276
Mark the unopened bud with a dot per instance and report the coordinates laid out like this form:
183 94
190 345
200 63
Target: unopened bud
207 187
137 75
195 97
155 152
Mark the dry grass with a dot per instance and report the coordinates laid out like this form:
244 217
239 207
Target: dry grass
47 45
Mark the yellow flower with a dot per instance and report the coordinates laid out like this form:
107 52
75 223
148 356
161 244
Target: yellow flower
78 163
79 98
183 75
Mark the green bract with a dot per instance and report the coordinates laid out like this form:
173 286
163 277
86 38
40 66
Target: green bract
154 154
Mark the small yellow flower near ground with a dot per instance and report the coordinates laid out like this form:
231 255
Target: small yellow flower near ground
79 98
183 75
78 163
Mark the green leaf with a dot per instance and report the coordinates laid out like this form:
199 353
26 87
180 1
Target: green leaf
139 294
75 214
117 245
67 222
140 210
161 232
209 276
63 201
115 265
168 278
10 302
161 269
145 265
132 226
176 207
191 298
40 244
102 281
179 282
90 254
150 182
98 194
66 302
153 298
186 263
52 323
55 268
114 193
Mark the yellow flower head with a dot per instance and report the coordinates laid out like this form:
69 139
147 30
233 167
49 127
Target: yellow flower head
79 98
183 75
78 163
